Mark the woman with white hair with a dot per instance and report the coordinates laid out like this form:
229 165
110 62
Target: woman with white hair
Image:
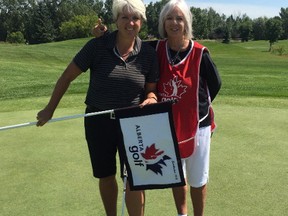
116 81
188 64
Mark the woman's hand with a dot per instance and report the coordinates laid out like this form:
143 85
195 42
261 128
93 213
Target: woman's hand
148 100
151 95
99 29
44 116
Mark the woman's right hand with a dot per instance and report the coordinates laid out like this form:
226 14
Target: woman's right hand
44 116
99 29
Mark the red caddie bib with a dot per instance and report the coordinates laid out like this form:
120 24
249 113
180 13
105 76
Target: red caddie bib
181 83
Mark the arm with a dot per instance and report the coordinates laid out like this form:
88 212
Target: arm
151 79
151 89
210 73
151 97
70 73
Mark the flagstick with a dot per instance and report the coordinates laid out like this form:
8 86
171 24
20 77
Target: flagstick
71 117
124 190
57 119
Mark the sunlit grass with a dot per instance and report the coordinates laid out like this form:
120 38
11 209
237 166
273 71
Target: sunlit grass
46 171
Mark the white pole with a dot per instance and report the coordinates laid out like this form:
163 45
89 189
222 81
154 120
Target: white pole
124 190
124 195
57 119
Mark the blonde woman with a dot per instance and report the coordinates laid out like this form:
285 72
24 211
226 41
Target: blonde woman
116 81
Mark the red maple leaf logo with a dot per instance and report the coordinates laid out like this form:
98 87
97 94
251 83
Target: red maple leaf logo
174 88
151 152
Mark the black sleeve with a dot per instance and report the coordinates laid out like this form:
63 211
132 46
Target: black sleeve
209 72
152 43
84 58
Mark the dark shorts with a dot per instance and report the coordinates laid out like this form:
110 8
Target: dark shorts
102 136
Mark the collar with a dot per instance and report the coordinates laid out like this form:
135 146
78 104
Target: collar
110 41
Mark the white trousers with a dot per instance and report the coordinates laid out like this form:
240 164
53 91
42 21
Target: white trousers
196 166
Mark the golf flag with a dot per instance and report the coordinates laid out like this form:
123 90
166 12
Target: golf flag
150 148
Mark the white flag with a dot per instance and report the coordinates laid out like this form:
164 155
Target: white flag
150 148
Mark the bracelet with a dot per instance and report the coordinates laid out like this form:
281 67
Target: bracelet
152 98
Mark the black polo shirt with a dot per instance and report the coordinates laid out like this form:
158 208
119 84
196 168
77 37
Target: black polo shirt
115 83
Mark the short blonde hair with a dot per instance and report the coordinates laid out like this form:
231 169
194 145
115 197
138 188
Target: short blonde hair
181 4
133 6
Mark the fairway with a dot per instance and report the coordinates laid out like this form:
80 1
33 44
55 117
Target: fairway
46 171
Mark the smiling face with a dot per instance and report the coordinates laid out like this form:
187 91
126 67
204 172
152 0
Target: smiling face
175 23
129 24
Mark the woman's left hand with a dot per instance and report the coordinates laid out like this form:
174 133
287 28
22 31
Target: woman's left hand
149 100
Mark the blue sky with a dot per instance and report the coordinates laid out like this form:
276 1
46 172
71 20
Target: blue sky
253 8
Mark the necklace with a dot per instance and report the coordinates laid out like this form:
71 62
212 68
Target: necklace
176 58
179 56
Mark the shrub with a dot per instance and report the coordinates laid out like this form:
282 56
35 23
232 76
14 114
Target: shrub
15 37
279 50
78 27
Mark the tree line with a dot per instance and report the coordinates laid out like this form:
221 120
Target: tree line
34 21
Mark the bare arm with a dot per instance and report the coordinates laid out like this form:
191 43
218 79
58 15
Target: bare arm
71 72
151 97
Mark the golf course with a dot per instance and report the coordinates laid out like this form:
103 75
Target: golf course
46 171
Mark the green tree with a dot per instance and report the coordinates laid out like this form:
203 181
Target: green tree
258 28
227 30
106 13
12 16
235 27
284 17
245 28
152 13
214 20
40 20
98 6
273 30
200 18
207 24
143 34
41 29
64 10
78 27
3 30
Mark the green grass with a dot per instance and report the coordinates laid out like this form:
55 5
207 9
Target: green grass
250 72
46 171
35 68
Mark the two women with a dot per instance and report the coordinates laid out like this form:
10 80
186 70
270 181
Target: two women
187 74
